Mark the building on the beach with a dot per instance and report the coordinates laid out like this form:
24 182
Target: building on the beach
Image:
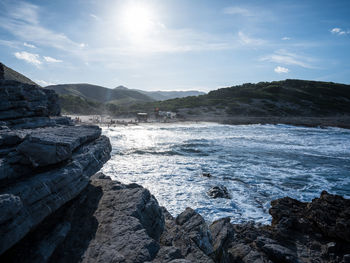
142 116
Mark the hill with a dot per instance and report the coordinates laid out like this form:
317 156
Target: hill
165 95
101 94
7 73
278 98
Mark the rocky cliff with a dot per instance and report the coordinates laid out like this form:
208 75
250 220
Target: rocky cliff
45 161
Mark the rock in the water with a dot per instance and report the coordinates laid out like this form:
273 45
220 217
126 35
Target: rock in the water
219 192
206 175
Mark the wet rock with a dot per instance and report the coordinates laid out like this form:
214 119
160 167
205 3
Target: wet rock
206 175
219 192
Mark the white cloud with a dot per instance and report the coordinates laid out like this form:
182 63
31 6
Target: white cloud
28 57
244 39
22 20
43 82
280 70
52 60
23 11
94 16
339 31
28 45
289 58
286 38
235 10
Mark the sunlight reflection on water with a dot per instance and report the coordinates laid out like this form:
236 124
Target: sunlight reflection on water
257 164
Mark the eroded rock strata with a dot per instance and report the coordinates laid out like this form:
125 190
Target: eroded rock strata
45 161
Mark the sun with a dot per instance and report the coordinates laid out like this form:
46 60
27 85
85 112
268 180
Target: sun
137 20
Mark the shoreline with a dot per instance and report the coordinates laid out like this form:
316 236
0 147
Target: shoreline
322 122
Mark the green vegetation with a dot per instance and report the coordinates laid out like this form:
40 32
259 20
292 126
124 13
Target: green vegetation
278 98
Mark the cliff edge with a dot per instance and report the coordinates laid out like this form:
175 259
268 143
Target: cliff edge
45 161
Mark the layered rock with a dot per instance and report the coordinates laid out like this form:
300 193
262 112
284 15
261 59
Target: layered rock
45 161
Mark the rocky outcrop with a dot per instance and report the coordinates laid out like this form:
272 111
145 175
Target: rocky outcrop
112 222
7 73
45 161
300 232
219 191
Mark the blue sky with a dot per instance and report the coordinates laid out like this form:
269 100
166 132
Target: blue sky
176 44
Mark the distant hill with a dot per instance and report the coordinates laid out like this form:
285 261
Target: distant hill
7 73
101 94
278 98
165 95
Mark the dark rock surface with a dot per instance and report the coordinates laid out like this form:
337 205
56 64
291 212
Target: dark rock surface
41 169
219 191
300 232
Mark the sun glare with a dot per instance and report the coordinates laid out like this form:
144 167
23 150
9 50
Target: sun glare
137 21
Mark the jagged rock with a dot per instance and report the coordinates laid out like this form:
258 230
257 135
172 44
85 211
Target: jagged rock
222 234
219 191
329 214
175 235
197 229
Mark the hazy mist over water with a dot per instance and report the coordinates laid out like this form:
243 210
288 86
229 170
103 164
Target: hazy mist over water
257 164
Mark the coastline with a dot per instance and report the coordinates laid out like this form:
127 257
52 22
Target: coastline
322 122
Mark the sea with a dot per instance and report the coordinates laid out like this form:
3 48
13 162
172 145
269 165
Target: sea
256 163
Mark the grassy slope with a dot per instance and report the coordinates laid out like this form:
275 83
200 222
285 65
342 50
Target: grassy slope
100 94
279 98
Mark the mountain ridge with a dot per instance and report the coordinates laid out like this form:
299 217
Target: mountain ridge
160 95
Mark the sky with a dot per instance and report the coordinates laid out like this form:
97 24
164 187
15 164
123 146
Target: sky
176 44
